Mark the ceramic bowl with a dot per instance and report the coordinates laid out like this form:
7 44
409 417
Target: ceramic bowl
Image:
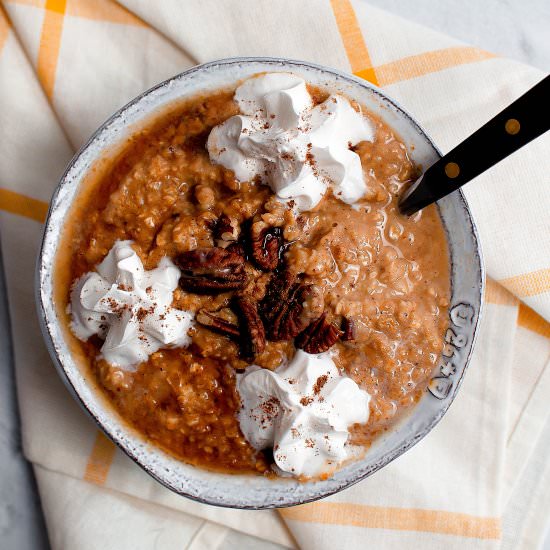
248 491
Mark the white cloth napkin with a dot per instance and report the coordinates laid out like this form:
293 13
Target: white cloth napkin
478 480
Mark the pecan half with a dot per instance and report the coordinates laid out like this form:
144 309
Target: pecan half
348 329
283 306
265 247
252 332
276 294
225 230
319 336
210 320
211 270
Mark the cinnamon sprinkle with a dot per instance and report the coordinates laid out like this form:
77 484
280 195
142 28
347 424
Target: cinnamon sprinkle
318 386
306 400
141 313
269 408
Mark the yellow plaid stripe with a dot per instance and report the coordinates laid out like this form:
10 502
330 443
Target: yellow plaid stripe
50 43
531 320
425 63
352 38
100 460
401 519
4 28
15 203
528 284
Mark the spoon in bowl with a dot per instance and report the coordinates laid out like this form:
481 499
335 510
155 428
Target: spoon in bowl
524 120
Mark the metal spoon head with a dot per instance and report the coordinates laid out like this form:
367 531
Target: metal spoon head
415 198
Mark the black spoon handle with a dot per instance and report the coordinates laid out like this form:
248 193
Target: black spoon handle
522 121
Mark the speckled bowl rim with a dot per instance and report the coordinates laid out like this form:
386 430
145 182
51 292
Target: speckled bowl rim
199 481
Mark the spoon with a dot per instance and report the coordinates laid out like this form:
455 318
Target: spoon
524 120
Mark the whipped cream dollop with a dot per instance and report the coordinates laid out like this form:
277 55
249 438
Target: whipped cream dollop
283 140
129 308
303 410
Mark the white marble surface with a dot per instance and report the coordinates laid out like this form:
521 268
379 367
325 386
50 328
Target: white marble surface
519 29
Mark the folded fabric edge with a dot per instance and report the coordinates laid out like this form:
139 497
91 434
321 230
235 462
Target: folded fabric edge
286 543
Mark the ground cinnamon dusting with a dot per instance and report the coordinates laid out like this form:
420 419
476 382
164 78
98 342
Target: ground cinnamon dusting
318 386
306 400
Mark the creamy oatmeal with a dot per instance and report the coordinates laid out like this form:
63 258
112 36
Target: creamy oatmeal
244 288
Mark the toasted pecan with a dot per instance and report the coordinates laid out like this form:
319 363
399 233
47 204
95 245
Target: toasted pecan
348 329
319 336
225 229
252 332
211 270
214 322
265 247
283 306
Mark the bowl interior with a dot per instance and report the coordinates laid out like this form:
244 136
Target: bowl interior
245 491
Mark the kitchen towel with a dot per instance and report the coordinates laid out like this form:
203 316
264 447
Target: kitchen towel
476 481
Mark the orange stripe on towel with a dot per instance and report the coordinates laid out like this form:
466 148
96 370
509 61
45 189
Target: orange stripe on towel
4 28
497 294
528 284
425 63
401 519
531 320
50 43
100 460
352 38
22 205
402 69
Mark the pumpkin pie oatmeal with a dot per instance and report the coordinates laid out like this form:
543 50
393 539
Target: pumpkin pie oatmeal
242 284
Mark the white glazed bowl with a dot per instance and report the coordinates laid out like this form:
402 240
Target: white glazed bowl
249 491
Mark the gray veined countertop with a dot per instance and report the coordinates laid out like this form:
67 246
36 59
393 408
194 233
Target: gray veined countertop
21 523
515 29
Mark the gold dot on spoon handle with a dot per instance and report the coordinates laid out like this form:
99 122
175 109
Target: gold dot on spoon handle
512 126
452 169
